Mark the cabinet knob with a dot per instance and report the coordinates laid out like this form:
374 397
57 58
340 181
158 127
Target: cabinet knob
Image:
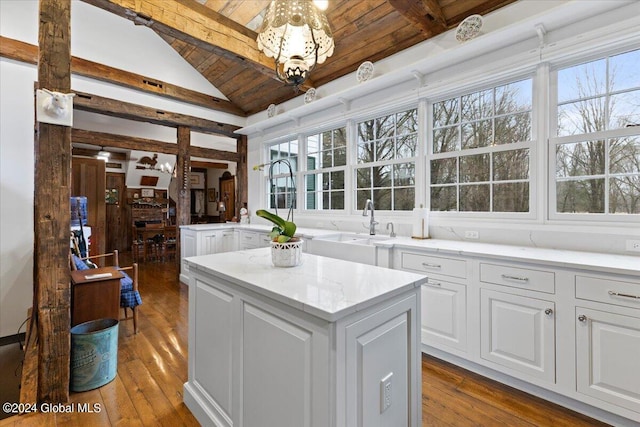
582 318
548 311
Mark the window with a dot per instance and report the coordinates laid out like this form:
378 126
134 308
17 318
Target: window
326 163
597 147
282 193
480 154
386 151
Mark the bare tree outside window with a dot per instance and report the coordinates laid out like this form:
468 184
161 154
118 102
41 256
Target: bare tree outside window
326 163
386 151
599 175
281 187
480 150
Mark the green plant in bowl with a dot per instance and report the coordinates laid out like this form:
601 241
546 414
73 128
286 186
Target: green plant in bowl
282 231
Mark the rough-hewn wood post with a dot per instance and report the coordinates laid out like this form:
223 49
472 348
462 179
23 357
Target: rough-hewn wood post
183 168
241 174
52 209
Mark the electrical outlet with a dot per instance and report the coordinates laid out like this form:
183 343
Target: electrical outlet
633 245
471 235
385 392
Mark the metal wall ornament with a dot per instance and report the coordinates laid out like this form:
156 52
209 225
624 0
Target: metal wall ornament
271 110
469 28
310 96
297 35
365 71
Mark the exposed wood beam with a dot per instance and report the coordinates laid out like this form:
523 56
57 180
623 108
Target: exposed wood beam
423 14
191 22
208 153
143 144
87 152
183 204
52 209
126 110
208 165
25 52
120 141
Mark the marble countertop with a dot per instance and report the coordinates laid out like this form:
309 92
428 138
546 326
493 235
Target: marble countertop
323 287
264 228
613 263
621 264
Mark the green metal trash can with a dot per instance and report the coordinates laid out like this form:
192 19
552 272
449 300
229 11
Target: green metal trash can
94 354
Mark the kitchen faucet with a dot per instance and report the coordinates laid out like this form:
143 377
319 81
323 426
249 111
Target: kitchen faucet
368 205
393 231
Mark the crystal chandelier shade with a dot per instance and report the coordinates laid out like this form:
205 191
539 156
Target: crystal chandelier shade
297 35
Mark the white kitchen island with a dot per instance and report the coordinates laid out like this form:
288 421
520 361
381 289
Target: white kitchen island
326 343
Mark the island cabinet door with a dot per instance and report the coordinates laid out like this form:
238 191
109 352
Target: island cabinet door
188 248
283 369
608 357
212 330
383 376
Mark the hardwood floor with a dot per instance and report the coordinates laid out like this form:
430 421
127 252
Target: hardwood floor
152 367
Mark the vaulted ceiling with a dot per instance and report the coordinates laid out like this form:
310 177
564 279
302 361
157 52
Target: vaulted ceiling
218 38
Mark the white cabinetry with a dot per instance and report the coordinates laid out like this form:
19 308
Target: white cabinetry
518 333
248 240
608 357
252 240
541 320
208 242
188 248
608 340
196 240
228 241
350 357
517 327
444 301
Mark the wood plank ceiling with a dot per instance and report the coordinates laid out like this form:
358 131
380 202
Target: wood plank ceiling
364 30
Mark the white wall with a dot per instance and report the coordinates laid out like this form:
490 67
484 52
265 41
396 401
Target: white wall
509 44
16 193
102 37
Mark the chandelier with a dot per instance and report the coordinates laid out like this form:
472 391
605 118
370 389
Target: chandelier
297 35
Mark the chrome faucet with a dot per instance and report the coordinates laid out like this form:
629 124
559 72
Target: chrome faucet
368 205
393 231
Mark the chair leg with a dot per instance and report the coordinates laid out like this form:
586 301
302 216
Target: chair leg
135 319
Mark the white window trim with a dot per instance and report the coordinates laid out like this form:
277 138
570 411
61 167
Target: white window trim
305 172
553 141
532 145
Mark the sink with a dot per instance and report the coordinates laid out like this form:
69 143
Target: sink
347 246
367 241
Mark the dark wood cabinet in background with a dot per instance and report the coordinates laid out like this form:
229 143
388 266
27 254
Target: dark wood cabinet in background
118 217
88 178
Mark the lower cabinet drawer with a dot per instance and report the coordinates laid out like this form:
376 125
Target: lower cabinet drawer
609 291
433 264
533 280
249 240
